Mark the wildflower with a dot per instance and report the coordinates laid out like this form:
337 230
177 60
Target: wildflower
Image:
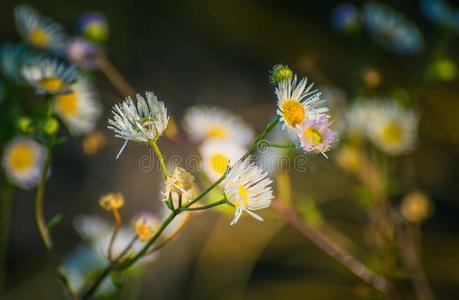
280 73
212 123
112 201
93 142
296 102
391 30
38 31
415 207
247 188
12 58
144 226
357 118
180 182
25 125
346 18
371 78
315 135
48 76
82 53
79 109
441 13
143 123
393 128
23 161
51 126
348 158
94 27
218 156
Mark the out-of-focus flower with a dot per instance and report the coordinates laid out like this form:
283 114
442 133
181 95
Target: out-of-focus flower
371 77
213 123
392 128
297 103
51 126
218 156
346 18
441 13
12 58
79 109
112 201
180 182
280 73
25 125
144 226
415 207
248 189
93 142
348 158
392 30
23 161
38 31
443 69
82 53
49 76
315 135
356 119
143 123
94 27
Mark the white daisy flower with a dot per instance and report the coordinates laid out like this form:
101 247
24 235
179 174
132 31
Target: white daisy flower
357 118
248 189
79 109
143 123
38 31
213 123
23 161
296 102
393 128
218 156
178 183
49 76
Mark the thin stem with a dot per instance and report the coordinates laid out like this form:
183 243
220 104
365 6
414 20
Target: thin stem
331 248
39 198
116 215
113 75
223 201
155 147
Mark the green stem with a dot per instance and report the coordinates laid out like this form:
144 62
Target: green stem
223 201
39 198
155 147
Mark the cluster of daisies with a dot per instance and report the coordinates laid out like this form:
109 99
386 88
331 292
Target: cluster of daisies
58 69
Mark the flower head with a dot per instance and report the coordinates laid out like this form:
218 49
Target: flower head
280 73
49 76
247 188
112 201
144 226
296 102
180 182
93 142
218 156
23 161
38 31
79 109
415 207
391 30
82 53
94 27
213 123
315 135
393 129
143 123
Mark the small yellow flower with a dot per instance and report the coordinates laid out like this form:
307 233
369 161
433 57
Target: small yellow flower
144 226
51 126
415 207
348 158
93 142
112 201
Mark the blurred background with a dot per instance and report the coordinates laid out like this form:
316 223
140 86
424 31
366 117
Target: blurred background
219 53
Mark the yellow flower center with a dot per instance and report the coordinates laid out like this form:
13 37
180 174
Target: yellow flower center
67 104
51 84
21 158
244 194
112 201
217 132
219 163
143 231
313 135
392 133
293 112
38 37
